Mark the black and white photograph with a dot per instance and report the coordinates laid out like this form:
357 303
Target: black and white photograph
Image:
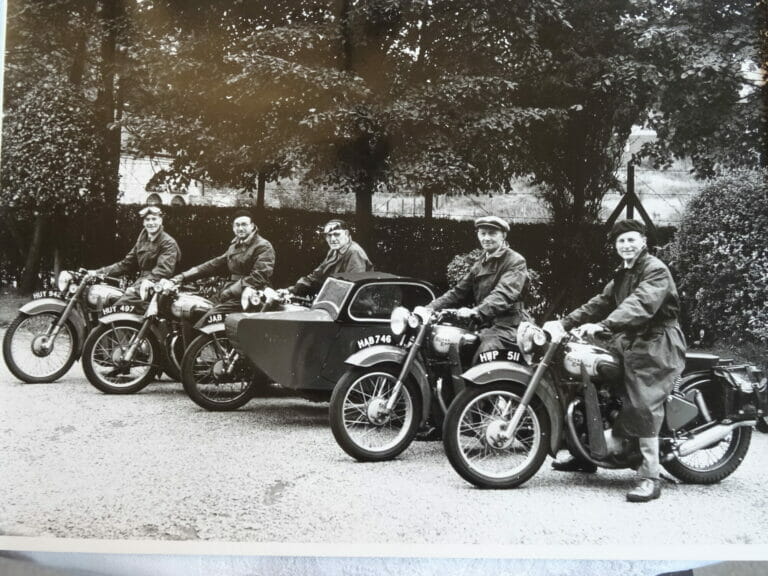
384 286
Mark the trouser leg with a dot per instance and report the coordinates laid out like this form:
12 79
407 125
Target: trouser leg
649 448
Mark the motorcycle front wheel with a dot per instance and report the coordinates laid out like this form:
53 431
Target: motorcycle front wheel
103 364
210 382
718 460
359 421
27 354
476 445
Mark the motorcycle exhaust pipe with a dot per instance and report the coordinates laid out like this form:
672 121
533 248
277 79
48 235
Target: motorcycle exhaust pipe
709 436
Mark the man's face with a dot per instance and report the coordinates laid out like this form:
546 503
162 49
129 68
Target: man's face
337 238
242 226
490 239
152 223
629 245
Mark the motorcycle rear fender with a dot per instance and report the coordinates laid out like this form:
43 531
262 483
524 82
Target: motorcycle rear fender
500 371
57 306
385 354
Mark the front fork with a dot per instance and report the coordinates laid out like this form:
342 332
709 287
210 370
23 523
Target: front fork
53 331
230 357
415 347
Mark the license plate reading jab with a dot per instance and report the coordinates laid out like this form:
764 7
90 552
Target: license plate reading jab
373 340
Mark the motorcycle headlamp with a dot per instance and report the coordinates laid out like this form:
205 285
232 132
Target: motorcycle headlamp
250 298
64 280
414 320
529 337
398 320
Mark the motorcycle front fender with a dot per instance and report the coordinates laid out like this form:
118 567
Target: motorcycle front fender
57 306
500 371
154 328
381 354
211 328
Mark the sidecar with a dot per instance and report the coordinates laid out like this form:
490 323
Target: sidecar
305 349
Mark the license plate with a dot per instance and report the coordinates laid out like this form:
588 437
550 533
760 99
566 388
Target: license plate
214 318
129 308
505 355
46 294
373 340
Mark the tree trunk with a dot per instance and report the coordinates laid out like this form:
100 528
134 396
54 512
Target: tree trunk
260 190
107 104
32 264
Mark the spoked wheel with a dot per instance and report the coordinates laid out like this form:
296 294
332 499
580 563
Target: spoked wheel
104 364
31 355
215 376
359 420
482 450
720 459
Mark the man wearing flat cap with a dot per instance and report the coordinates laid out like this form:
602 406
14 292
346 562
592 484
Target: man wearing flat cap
249 260
493 288
344 255
154 256
640 307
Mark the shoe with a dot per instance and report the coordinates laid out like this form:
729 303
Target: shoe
574 465
646 489
429 434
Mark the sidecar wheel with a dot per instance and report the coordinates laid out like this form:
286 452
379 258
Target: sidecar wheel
23 355
712 464
359 429
206 384
469 425
100 359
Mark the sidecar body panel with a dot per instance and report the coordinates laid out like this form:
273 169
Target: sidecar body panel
306 349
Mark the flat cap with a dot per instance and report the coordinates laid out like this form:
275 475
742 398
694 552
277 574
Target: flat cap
623 226
243 213
335 224
492 222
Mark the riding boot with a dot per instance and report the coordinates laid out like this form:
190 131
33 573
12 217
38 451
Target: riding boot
648 485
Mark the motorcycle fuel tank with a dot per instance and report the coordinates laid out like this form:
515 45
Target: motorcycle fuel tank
597 361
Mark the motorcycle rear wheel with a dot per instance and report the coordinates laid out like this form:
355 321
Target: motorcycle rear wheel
473 415
19 344
354 403
101 350
205 387
711 464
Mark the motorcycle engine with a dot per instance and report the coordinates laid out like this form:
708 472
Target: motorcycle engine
597 361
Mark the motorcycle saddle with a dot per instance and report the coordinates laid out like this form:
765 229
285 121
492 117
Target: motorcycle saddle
695 361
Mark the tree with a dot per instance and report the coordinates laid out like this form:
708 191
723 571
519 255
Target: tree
50 162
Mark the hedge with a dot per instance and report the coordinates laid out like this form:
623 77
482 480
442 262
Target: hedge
397 245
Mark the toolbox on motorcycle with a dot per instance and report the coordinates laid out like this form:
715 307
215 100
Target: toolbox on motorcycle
746 393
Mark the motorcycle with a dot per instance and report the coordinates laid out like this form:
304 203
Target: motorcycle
132 344
47 335
498 431
390 390
215 375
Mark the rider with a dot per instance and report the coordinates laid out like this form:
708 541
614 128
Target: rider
249 259
493 287
155 255
640 307
344 255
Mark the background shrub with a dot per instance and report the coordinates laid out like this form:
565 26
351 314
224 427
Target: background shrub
720 259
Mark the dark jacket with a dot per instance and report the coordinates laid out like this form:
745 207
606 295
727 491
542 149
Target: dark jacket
152 259
494 286
350 258
640 306
249 262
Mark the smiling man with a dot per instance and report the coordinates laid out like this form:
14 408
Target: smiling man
154 256
249 259
640 307
344 255
493 288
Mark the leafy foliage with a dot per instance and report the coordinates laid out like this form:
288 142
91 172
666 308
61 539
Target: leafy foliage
720 257
50 153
